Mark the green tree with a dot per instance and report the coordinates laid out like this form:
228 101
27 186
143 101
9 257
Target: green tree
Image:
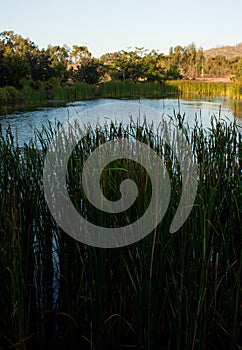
78 53
3 72
16 44
188 60
58 60
237 71
16 69
13 62
200 62
88 72
154 66
40 67
175 58
218 65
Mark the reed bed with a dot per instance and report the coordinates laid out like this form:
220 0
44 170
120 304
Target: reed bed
210 89
167 291
117 89
75 92
57 93
48 93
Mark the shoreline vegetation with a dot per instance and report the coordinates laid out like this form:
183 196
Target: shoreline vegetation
12 98
32 76
167 291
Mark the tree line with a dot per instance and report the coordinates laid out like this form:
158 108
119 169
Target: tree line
23 62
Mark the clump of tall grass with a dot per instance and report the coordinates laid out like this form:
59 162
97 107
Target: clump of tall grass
118 89
235 91
75 92
33 96
45 93
200 88
170 291
7 94
210 89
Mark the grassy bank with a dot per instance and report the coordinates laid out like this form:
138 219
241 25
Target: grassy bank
44 94
114 89
231 90
167 291
57 93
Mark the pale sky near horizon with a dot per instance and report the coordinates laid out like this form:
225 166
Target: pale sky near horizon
108 26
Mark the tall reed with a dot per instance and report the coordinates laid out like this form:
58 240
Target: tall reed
210 89
117 89
167 291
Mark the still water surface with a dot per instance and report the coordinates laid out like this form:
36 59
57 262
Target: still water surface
23 124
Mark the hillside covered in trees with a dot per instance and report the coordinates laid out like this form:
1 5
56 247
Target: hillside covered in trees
23 63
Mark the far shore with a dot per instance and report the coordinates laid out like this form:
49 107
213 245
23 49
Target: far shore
215 79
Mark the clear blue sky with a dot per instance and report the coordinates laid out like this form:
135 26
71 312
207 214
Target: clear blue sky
108 26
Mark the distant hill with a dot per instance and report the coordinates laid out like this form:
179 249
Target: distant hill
227 51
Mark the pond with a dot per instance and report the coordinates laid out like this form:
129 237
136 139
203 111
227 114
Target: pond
23 124
64 292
